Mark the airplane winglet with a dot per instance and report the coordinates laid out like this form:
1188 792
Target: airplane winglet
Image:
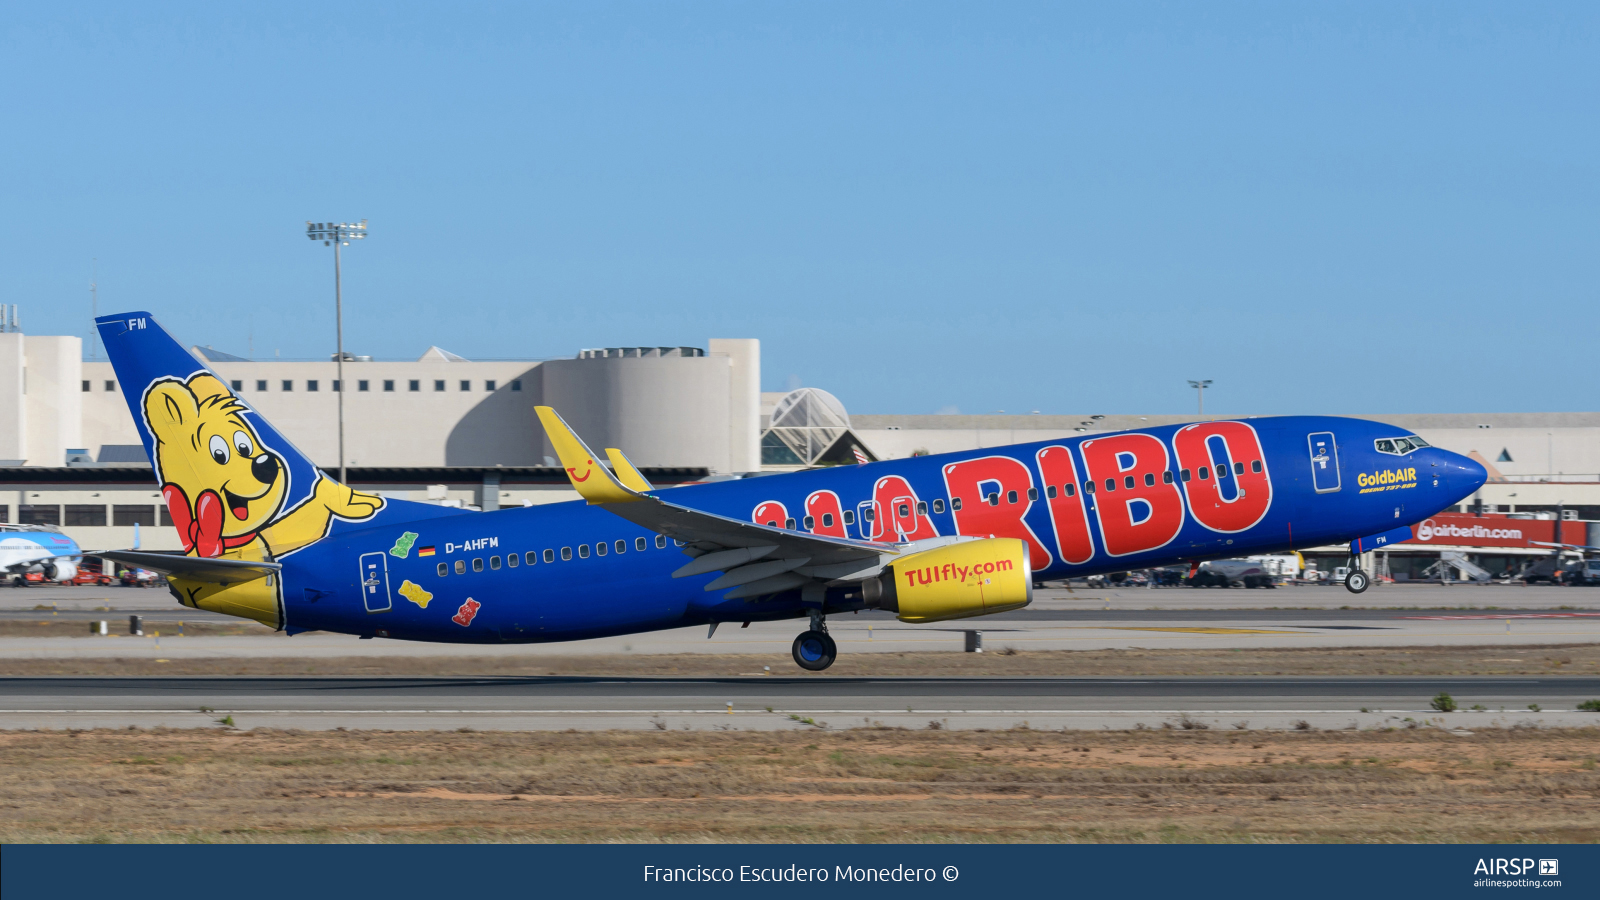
627 472
593 481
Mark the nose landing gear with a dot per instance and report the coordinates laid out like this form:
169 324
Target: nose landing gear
814 650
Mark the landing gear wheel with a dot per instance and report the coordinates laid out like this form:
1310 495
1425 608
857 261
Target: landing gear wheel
814 651
1357 581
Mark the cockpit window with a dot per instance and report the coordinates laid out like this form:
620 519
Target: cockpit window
1400 446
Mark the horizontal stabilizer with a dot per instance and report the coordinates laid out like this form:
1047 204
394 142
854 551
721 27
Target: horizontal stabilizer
217 570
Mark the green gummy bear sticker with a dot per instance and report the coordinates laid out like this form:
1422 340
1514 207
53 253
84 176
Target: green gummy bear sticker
402 547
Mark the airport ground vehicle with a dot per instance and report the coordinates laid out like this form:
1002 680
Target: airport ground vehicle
1135 578
270 536
87 575
1229 572
1548 570
1170 576
1584 572
136 577
1267 571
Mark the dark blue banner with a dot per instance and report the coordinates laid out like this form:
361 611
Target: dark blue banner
437 872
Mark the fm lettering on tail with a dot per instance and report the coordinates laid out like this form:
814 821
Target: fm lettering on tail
898 510
826 514
1229 489
1064 497
1138 507
989 496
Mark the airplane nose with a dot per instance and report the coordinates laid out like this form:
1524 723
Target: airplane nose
1462 474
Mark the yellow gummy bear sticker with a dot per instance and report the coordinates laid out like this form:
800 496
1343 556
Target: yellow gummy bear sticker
415 594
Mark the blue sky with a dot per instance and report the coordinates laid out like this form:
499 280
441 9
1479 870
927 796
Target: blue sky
1356 208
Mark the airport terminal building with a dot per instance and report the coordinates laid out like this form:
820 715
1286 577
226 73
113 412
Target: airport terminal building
449 429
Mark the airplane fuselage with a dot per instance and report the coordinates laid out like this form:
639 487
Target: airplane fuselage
1086 505
35 551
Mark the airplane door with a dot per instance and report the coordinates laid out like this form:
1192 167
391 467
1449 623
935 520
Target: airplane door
375 582
870 523
1324 462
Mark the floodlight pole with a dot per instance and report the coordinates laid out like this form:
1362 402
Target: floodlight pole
1200 392
338 329
337 235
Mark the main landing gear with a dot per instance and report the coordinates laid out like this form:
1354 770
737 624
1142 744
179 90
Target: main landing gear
814 650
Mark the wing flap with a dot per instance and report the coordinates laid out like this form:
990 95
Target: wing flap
721 559
755 572
786 581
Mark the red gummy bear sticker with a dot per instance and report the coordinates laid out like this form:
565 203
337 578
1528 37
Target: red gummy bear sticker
465 614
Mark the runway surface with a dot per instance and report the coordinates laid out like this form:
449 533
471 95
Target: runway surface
874 632
158 602
760 702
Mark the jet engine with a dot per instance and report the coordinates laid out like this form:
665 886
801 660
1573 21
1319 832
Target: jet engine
956 581
60 570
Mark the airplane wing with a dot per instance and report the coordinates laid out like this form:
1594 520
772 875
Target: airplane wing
199 568
755 559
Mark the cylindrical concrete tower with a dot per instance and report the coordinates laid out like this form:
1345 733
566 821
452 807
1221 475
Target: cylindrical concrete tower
660 406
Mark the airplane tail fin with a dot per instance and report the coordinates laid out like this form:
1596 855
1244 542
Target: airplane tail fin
235 486
240 494
180 406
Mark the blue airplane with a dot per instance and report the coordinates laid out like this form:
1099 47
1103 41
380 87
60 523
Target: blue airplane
26 549
269 536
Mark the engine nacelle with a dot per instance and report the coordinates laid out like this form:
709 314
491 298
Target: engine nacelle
971 578
60 570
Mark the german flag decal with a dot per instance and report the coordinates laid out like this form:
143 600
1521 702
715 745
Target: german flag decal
425 551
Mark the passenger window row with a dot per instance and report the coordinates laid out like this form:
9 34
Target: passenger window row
601 548
849 518
1129 482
